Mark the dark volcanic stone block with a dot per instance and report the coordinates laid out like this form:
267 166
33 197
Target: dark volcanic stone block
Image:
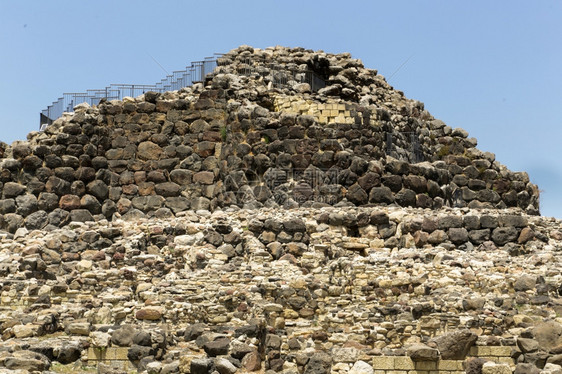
503 235
217 347
381 195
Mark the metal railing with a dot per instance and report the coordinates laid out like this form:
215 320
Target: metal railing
196 72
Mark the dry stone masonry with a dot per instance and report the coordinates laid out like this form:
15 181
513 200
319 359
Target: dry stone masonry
242 225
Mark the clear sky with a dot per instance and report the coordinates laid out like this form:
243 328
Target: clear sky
490 67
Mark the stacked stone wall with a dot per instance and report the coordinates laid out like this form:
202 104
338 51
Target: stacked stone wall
166 154
117 358
324 113
285 288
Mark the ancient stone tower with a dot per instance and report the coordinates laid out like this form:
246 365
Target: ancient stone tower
292 213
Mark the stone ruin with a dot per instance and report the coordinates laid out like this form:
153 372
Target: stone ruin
257 223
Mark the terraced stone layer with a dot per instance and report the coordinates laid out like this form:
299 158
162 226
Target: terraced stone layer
227 143
281 290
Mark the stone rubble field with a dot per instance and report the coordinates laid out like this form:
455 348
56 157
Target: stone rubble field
302 291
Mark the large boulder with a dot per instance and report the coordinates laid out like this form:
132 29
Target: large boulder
548 334
527 345
27 360
455 345
217 347
123 337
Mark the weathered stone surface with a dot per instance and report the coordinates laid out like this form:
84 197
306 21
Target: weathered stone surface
69 202
511 220
493 368
147 203
138 352
252 361
167 189
149 313
26 204
455 345
548 334
12 189
381 195
91 203
224 366
421 352
27 360
523 368
204 148
361 367
149 151
479 236
553 364
200 366
98 189
204 177
7 206
238 349
217 347
473 365
24 331
458 235
405 197
192 332
524 283
538 358
345 354
503 235
447 222
97 339
37 220
357 195
200 240
123 336
67 353
177 204
527 345
81 215
318 363
473 303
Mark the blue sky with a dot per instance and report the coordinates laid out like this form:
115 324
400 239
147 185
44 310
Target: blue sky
490 67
